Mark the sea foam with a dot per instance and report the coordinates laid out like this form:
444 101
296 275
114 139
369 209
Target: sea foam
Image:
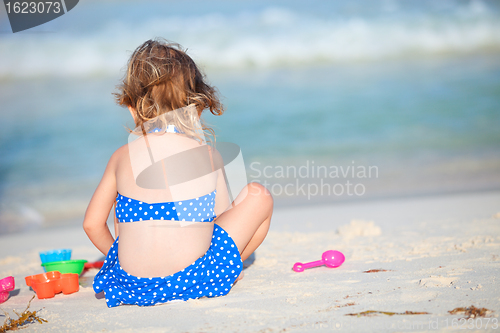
263 38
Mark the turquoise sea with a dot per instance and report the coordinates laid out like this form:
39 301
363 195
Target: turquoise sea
315 93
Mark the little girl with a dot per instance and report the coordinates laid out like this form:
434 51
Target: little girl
178 235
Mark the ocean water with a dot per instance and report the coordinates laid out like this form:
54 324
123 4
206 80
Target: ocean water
328 100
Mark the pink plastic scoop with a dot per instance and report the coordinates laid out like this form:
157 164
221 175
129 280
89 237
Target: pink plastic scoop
330 258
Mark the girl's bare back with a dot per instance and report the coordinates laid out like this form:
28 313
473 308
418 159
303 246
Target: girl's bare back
158 247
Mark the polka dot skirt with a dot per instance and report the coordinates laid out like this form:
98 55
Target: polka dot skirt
211 275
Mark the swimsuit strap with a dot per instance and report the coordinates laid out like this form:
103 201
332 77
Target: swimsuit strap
169 129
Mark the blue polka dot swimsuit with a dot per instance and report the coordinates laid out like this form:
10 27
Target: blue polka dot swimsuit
199 209
211 275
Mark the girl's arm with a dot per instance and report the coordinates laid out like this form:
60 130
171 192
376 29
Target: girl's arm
116 224
99 207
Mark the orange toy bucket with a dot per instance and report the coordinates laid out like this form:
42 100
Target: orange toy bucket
47 285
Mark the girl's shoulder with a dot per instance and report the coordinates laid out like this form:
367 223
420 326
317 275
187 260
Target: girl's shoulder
118 156
121 152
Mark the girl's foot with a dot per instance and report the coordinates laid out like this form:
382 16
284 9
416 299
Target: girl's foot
242 274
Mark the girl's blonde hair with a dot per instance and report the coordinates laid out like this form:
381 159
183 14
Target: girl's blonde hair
160 78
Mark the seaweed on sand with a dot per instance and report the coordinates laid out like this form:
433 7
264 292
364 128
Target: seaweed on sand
24 319
373 312
377 270
470 312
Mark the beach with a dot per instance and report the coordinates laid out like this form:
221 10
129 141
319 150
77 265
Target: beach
429 254
373 123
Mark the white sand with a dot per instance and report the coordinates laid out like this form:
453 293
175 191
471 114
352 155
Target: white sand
439 252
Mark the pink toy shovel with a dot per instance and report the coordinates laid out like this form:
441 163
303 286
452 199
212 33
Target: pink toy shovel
329 258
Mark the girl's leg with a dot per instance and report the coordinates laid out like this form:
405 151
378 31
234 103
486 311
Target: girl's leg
248 221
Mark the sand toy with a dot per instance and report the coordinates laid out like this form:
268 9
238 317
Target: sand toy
47 285
55 255
6 285
329 258
66 266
